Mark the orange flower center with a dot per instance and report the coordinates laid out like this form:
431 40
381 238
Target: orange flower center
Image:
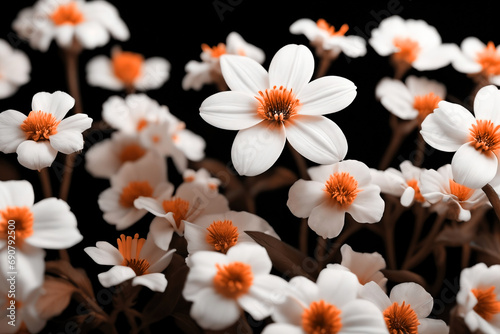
131 251
179 207
127 66
215 51
462 192
425 104
133 190
342 188
487 303
418 195
67 14
321 318
141 124
19 219
485 136
489 59
222 235
322 24
39 125
408 49
131 152
401 319
233 280
277 104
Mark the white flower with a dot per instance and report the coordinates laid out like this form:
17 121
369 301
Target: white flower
416 97
47 224
477 57
403 183
221 286
334 190
89 23
478 299
221 231
104 158
324 37
449 197
127 70
270 108
476 140
366 266
413 42
144 177
189 202
208 70
133 113
201 177
328 306
136 258
38 137
405 309
15 69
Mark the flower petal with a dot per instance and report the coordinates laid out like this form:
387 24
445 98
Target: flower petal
57 103
155 72
337 287
243 74
69 138
304 196
447 128
230 110
326 95
326 220
35 155
317 138
433 326
155 281
115 276
291 67
361 316
252 254
368 206
162 232
257 148
487 104
99 73
472 168
212 311
104 253
10 127
436 57
279 328
16 193
265 293
372 292
415 295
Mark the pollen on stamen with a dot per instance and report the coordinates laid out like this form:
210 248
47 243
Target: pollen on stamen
322 24
425 104
233 280
418 195
485 136
408 49
342 188
134 190
401 319
277 104
462 192
222 235
321 317
127 66
130 248
179 208
488 304
23 222
131 152
67 14
215 51
39 125
489 59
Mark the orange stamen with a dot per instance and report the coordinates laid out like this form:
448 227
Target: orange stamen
23 222
408 49
425 104
401 319
488 304
277 104
131 152
131 251
342 188
418 195
489 59
485 136
39 125
133 190
67 14
322 24
127 66
462 192
215 51
320 318
222 235
178 207
233 280
141 124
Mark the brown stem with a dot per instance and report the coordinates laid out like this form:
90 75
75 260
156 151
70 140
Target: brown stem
400 130
493 198
419 156
427 246
45 181
324 64
320 253
303 235
350 228
421 216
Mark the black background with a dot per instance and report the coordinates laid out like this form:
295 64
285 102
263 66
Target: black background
175 31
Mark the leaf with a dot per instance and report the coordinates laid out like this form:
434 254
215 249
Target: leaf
56 298
65 270
272 179
402 276
286 259
186 323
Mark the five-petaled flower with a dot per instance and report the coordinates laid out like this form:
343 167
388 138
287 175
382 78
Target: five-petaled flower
270 108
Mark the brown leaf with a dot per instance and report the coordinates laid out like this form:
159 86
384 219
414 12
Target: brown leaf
56 298
272 179
65 270
286 259
185 323
457 323
402 276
